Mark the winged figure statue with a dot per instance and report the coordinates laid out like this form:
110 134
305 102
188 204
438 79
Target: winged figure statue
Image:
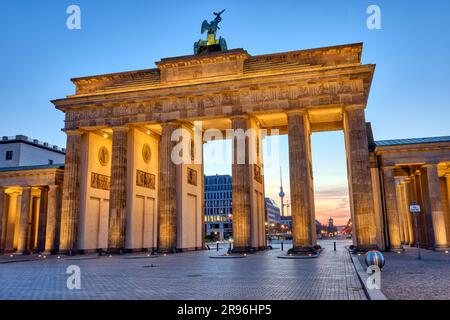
211 44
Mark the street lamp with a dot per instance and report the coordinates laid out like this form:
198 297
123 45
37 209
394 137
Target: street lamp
414 208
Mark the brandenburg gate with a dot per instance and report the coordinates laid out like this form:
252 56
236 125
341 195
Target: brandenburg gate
122 192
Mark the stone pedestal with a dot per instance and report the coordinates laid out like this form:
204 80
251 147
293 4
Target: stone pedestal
301 182
393 218
437 211
24 219
360 186
70 194
167 192
118 191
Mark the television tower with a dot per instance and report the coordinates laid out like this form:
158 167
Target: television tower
281 194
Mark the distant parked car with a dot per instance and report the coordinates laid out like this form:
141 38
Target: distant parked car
348 236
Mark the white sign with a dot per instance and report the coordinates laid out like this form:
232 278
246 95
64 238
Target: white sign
414 208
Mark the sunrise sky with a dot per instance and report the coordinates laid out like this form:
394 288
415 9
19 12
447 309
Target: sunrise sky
39 55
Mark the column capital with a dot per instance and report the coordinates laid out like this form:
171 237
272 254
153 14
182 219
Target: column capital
354 107
243 116
169 124
430 165
53 186
299 112
73 132
120 128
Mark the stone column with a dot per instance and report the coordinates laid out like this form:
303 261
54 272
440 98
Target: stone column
403 234
70 207
8 238
447 220
301 183
422 236
409 198
241 188
42 224
24 220
437 211
3 216
52 219
392 212
118 191
360 185
167 192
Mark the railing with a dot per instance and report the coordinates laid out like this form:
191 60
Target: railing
23 138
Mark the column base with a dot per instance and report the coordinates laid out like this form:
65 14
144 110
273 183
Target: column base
305 250
22 253
396 249
441 248
69 252
242 250
115 251
167 250
364 248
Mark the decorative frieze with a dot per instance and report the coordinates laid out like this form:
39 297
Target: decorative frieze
100 181
145 179
257 173
192 176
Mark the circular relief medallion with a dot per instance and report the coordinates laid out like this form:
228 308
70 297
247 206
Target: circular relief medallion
146 153
103 156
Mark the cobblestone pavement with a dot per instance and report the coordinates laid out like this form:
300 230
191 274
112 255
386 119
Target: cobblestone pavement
191 275
404 277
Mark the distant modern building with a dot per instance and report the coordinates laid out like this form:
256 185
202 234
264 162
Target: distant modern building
20 151
218 206
272 211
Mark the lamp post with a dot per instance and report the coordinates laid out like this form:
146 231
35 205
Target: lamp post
414 208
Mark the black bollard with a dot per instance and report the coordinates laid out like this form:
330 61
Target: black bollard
217 246
334 245
282 247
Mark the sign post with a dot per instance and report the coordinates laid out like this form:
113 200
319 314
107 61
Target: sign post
414 208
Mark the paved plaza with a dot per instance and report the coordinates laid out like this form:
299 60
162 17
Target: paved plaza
404 277
191 276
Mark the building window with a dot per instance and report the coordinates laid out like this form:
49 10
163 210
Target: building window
9 155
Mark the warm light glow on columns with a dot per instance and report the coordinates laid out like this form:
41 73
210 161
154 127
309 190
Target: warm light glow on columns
3 216
399 194
52 223
24 220
167 241
301 181
410 196
71 193
360 183
118 190
392 212
10 223
447 221
241 189
437 211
